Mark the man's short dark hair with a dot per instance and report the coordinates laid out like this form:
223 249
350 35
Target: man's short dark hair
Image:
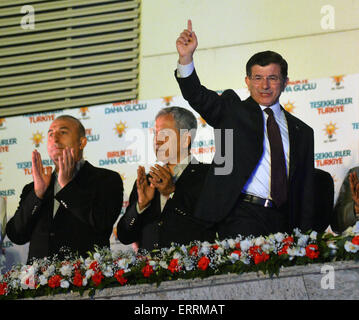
265 58
81 128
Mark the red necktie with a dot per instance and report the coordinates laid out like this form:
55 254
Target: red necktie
279 184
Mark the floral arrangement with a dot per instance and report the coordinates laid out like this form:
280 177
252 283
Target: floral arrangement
106 268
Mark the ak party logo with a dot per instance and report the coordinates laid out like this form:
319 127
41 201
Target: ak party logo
37 138
337 82
84 112
2 123
330 130
120 128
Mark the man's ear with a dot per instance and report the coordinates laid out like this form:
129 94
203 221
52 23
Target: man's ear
285 83
83 142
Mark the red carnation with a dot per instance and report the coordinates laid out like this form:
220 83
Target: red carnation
77 281
147 270
355 240
97 278
77 265
238 245
93 266
3 288
203 263
54 281
258 258
258 254
312 251
193 251
215 246
173 266
288 240
119 276
284 250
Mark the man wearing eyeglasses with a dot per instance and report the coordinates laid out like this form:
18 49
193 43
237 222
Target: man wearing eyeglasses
270 188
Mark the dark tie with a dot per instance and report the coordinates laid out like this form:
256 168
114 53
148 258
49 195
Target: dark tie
278 167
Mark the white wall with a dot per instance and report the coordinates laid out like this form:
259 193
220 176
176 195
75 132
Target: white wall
230 31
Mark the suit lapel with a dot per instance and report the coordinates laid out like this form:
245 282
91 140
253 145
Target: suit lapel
293 132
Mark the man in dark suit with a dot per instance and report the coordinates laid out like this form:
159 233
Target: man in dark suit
346 210
270 187
74 207
162 203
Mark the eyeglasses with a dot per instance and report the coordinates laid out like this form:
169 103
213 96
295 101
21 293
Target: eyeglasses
272 79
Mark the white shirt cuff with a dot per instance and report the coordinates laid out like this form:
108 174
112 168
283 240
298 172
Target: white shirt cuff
138 208
184 71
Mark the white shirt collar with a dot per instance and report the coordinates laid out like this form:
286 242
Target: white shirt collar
275 107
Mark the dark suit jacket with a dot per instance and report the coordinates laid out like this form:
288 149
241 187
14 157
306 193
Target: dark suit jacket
221 192
153 229
89 206
324 200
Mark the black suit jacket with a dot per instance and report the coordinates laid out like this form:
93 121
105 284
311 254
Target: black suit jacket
153 229
245 118
89 206
324 200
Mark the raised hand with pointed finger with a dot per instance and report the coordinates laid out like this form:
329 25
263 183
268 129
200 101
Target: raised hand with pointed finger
186 44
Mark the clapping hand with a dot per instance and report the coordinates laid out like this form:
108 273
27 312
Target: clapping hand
162 179
145 191
354 188
67 165
186 44
41 176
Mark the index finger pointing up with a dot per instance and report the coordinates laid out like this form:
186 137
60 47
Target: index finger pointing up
189 25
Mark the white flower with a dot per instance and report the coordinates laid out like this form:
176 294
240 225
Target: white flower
224 244
219 251
297 232
204 251
313 235
153 263
296 251
356 228
97 257
231 243
177 255
43 280
89 273
234 256
259 241
268 247
279 237
351 247
245 245
88 262
123 263
66 270
64 284
108 272
245 259
188 264
163 264
302 241
84 282
184 249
